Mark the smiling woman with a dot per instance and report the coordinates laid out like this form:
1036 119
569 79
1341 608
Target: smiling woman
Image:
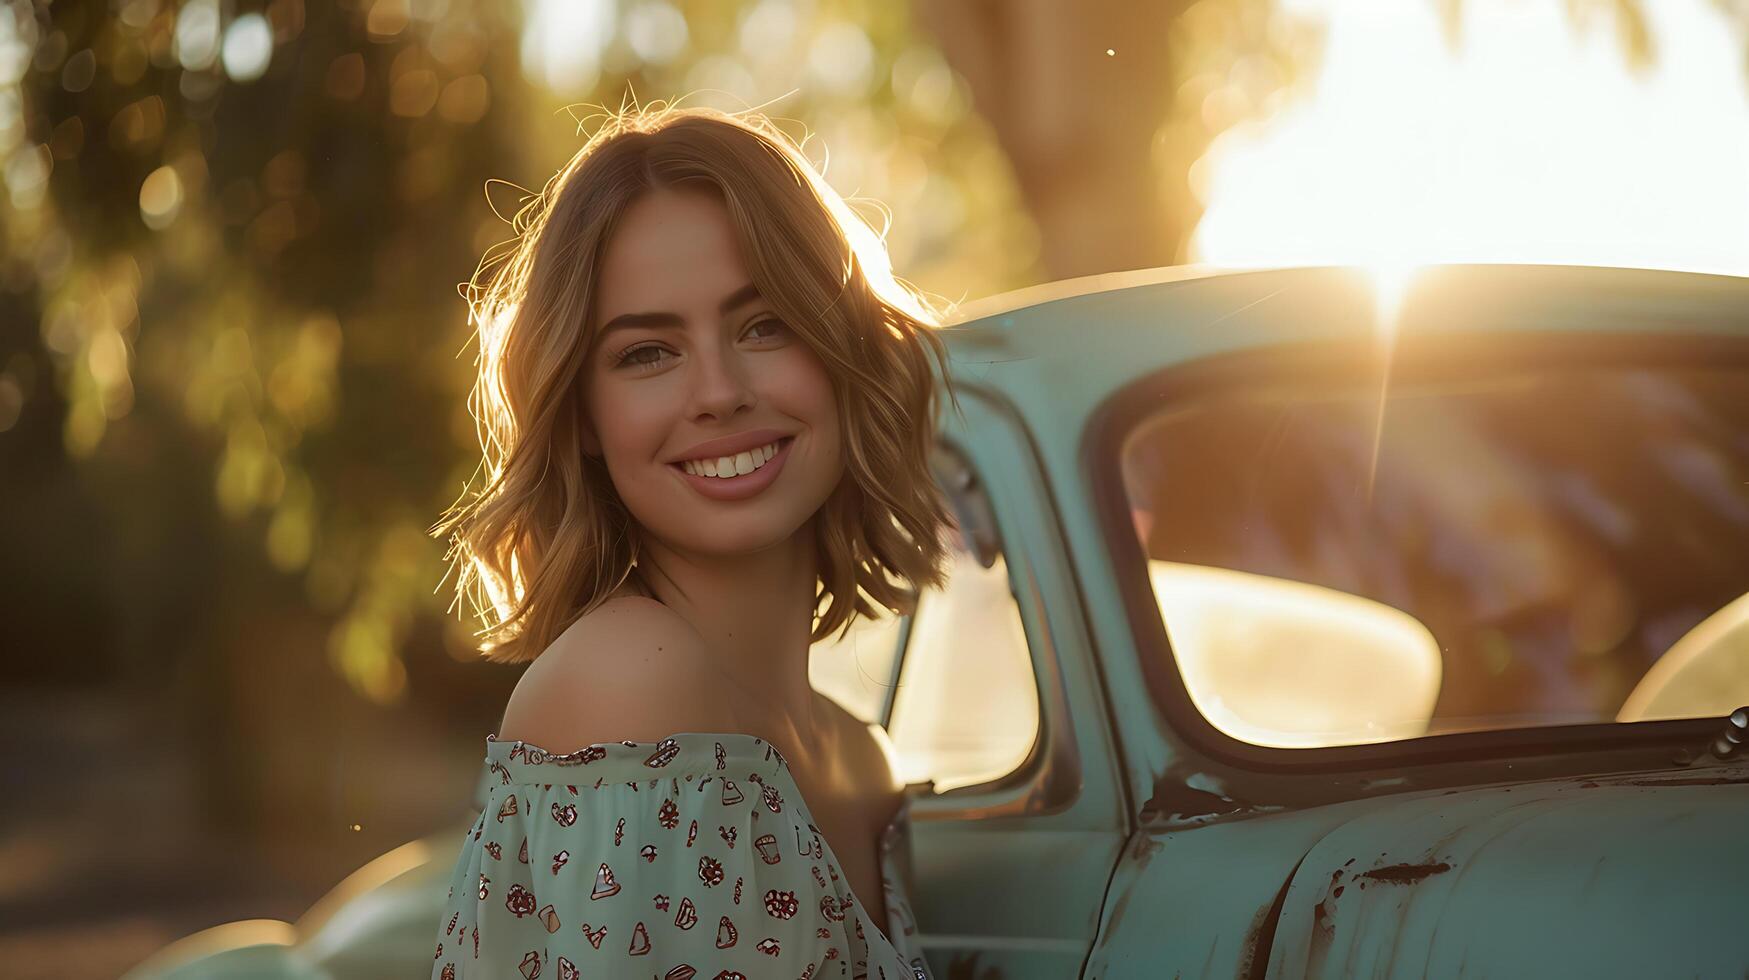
575 319
701 385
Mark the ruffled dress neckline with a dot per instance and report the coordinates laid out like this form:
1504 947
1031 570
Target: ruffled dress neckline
736 755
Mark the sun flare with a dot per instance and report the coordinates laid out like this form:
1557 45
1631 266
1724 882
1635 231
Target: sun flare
1531 139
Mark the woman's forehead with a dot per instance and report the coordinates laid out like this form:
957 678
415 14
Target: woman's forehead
669 247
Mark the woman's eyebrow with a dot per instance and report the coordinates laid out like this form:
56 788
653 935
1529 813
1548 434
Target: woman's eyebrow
739 298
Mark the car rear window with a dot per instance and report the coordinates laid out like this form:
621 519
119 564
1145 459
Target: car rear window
1337 564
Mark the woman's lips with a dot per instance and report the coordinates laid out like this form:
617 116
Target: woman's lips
738 487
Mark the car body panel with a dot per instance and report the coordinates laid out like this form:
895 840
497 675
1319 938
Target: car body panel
1621 875
1628 874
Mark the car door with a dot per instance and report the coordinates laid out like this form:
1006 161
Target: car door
988 695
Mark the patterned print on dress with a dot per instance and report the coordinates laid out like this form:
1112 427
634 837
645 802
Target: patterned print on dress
687 917
692 835
595 937
731 793
565 815
781 905
560 860
665 752
668 815
769 946
508 809
640 941
766 845
604 884
727 934
648 853
520 901
530 965
728 834
568 970
710 871
549 917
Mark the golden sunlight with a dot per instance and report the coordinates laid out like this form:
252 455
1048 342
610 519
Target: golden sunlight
1525 137
1288 664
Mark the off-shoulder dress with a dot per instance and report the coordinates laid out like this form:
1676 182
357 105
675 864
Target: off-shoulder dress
691 857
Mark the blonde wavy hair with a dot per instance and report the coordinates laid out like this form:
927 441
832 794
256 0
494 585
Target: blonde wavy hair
547 539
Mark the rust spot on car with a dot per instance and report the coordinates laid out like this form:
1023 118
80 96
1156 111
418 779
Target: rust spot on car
1174 800
1260 938
1406 874
1118 908
1323 934
1146 847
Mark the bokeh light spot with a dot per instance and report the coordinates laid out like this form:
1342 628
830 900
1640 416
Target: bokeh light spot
248 48
161 198
77 74
841 58
197 35
465 100
562 43
657 31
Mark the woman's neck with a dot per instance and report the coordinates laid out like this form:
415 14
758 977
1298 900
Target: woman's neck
755 614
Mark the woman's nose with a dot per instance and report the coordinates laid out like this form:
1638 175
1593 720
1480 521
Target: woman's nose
720 385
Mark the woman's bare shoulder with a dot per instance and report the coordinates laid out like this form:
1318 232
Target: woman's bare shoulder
629 669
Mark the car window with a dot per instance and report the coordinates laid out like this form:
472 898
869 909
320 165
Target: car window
1541 547
966 710
964 706
856 670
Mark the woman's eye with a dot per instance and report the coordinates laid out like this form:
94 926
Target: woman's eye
778 325
632 357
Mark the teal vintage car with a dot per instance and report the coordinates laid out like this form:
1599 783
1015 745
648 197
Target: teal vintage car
1304 622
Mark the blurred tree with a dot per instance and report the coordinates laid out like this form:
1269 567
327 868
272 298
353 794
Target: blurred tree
1076 94
1103 107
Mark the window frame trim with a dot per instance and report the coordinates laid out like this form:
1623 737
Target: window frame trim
1049 779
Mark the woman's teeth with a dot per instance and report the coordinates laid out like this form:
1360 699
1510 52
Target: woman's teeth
725 467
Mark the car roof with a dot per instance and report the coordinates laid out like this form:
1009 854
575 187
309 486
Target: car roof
1059 349
1299 303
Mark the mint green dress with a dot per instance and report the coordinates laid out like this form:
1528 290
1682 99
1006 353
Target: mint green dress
691 858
